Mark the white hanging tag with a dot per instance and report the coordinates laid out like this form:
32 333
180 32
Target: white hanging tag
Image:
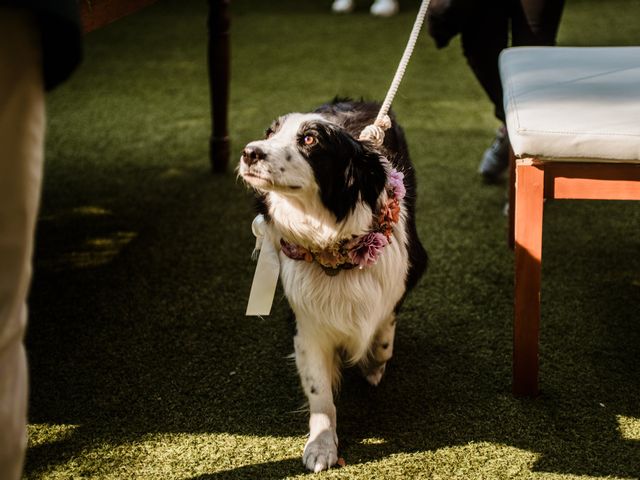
265 278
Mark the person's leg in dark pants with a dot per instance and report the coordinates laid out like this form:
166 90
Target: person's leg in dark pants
535 22
486 33
484 36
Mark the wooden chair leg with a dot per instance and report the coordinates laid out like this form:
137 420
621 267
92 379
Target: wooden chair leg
529 203
219 65
512 198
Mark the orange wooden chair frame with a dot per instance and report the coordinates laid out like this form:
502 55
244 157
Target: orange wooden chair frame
531 181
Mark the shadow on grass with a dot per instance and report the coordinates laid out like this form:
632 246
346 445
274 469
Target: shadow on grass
124 351
279 469
154 341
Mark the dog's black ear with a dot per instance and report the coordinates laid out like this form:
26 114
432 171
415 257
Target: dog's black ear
366 174
347 171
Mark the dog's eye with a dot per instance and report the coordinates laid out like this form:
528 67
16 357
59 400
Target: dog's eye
268 132
309 139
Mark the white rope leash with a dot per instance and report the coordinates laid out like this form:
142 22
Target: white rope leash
375 132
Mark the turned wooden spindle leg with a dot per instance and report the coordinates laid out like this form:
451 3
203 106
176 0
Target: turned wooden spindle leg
219 64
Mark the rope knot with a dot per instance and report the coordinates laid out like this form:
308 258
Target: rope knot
374 133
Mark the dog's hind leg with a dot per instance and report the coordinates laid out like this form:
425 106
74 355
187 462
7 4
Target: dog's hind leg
374 365
317 371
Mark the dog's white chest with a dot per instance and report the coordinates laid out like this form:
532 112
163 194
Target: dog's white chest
346 308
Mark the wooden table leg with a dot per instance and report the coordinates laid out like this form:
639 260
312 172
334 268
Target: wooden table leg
219 64
528 262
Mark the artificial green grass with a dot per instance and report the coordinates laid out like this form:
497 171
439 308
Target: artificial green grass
143 365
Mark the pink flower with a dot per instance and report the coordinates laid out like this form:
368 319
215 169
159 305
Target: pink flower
366 249
396 180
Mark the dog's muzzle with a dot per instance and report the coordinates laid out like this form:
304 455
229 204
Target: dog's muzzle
251 155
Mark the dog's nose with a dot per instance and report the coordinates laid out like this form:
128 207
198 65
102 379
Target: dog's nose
251 155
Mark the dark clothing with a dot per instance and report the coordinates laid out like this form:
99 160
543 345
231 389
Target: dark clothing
59 25
446 19
484 28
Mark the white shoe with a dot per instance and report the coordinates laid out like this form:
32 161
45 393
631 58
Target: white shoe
384 8
342 6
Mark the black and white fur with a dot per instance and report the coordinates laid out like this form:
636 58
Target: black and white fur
315 195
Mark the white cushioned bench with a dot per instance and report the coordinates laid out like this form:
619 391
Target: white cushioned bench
573 119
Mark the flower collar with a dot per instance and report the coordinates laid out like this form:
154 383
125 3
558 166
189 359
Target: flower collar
359 251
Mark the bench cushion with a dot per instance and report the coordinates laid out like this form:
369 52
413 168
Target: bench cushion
573 103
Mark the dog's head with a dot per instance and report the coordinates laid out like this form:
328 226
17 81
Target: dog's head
306 155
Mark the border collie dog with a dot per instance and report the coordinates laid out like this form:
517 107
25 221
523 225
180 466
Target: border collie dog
341 215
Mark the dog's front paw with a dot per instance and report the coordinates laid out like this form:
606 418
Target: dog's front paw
321 452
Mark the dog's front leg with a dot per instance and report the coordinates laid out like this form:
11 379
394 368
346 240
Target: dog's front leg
316 368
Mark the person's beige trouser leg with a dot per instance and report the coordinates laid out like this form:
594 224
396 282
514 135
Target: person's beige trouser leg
22 123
